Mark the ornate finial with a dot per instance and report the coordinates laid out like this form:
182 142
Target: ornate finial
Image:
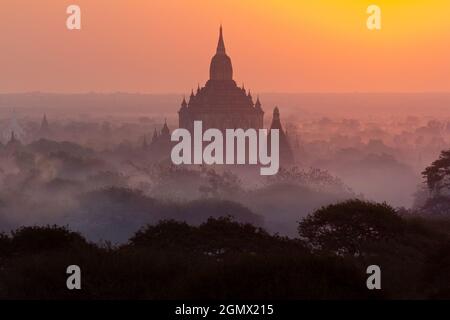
221 44
221 67
155 136
258 103
165 129
276 114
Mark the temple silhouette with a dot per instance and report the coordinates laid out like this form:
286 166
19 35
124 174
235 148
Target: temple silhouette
221 104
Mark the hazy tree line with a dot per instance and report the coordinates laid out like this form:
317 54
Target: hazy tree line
202 233
224 259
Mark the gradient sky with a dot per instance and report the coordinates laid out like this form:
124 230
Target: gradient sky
165 46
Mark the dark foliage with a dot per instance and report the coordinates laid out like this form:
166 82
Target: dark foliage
51 238
437 175
437 205
5 245
215 238
220 259
350 227
225 259
437 272
406 248
436 201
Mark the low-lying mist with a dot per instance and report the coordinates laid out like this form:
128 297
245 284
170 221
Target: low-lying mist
93 169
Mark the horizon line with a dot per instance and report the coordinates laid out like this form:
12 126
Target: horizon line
181 94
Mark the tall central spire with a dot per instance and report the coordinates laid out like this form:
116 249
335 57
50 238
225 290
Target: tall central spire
221 44
221 67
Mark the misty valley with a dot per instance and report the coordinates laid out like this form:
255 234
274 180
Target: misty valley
68 168
97 187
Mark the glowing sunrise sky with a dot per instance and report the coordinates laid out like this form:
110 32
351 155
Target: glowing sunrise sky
165 46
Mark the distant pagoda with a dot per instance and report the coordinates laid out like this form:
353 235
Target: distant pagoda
44 130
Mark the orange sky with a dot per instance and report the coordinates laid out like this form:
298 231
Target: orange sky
165 46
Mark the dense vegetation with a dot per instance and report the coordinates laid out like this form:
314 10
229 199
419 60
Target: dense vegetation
435 199
225 259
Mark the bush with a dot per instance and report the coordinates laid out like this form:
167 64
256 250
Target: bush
350 227
168 234
49 238
5 245
215 237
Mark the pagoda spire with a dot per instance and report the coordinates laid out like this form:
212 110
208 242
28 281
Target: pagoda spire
184 103
286 155
165 130
155 136
258 104
221 44
221 67
44 123
276 123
